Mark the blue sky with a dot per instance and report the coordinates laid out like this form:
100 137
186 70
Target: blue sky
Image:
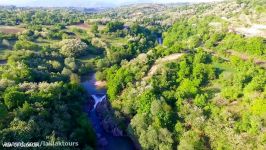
86 3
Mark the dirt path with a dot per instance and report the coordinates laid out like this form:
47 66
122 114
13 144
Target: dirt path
159 63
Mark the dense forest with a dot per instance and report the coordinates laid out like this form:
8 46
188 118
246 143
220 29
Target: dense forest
183 76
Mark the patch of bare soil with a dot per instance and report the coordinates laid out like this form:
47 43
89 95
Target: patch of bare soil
159 63
100 84
11 29
254 30
83 26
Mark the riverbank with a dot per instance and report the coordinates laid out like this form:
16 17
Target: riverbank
100 84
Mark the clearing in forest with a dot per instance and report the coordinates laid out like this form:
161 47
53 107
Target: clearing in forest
11 29
82 26
159 63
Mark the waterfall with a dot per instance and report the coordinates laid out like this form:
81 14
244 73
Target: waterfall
98 99
160 40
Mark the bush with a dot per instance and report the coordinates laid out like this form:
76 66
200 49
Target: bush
100 76
14 99
114 26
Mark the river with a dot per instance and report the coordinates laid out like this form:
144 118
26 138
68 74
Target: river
3 62
160 40
110 142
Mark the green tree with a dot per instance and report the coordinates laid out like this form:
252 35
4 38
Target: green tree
14 98
73 47
114 26
25 111
94 28
191 140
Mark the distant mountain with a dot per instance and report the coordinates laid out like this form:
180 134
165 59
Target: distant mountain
58 3
86 3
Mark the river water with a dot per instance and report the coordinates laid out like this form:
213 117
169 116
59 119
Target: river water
160 40
3 62
113 142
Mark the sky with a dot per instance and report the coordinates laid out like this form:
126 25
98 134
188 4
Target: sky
87 3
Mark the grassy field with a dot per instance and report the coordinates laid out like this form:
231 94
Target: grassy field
45 42
87 58
83 26
11 29
114 41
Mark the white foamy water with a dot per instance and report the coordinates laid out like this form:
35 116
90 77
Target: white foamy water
97 100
